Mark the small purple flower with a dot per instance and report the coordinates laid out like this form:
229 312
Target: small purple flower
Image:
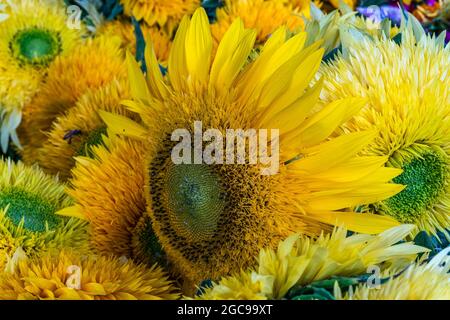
379 13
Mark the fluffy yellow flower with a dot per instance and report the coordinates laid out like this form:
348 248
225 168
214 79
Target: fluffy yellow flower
108 188
408 89
160 12
161 39
262 15
90 66
75 132
213 219
33 34
69 276
429 281
301 260
29 200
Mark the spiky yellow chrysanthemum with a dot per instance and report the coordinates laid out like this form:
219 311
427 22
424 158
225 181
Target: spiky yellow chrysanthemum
429 281
90 66
161 39
160 12
213 219
70 276
262 15
29 200
408 89
108 187
75 132
31 37
300 260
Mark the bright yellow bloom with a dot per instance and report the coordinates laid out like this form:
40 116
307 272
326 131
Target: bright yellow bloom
213 219
160 12
31 37
29 200
161 39
90 66
262 15
429 281
84 126
408 89
300 260
70 276
108 188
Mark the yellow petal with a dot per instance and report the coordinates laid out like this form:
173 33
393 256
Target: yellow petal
94 289
292 116
324 123
198 46
122 125
138 85
357 222
154 76
334 152
344 198
73 211
302 76
177 67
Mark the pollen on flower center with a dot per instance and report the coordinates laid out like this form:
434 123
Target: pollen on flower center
425 179
195 200
36 212
35 46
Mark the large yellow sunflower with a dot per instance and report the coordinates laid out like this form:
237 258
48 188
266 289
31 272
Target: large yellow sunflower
28 202
160 38
408 89
70 276
90 66
213 219
75 132
300 260
160 12
429 281
262 15
31 37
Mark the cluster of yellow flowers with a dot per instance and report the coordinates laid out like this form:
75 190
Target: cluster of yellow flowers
92 205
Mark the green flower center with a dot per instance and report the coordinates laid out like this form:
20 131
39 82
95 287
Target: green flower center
93 139
150 243
35 211
425 179
36 46
195 200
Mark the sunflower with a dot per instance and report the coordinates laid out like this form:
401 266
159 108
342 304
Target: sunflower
407 87
28 202
90 66
427 281
300 260
262 15
31 37
73 133
69 276
108 188
160 12
213 219
161 39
